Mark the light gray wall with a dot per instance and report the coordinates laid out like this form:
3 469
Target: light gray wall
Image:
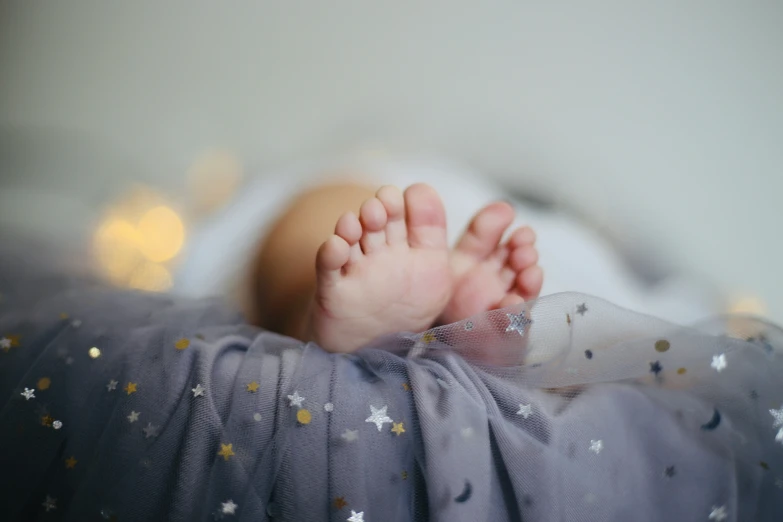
663 118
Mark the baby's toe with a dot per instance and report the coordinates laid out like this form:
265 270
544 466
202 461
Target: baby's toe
373 220
486 230
394 204
530 281
522 258
350 229
521 237
511 299
425 217
333 254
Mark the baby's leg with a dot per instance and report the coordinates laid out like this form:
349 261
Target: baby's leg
282 275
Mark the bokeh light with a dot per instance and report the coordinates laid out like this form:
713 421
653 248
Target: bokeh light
748 305
213 180
138 237
161 234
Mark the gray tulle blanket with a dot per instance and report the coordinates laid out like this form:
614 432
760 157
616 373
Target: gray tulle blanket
128 406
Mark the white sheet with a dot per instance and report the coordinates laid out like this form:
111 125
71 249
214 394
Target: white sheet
574 257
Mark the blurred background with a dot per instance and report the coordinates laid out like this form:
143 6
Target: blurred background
151 142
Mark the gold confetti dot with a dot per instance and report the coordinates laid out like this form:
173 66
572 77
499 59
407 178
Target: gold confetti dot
340 503
662 346
681 371
94 352
47 420
404 475
181 344
44 383
303 416
63 316
130 388
70 462
428 337
252 387
406 386
226 451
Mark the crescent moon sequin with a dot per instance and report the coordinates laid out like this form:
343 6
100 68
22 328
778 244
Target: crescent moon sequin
713 423
467 492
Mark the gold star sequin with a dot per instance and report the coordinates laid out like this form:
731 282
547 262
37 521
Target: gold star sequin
226 451
63 316
44 383
398 428
681 371
404 475
47 421
406 386
130 388
339 503
70 462
252 387
181 344
303 416
428 337
662 346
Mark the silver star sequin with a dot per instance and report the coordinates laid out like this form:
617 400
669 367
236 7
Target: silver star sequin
57 424
350 435
719 362
329 407
5 343
28 394
151 430
718 513
581 309
525 410
596 446
257 417
228 507
134 416
378 417
518 323
112 385
778 415
198 391
76 323
356 517
295 399
50 503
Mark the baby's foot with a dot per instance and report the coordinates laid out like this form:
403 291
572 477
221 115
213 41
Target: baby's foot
384 272
490 275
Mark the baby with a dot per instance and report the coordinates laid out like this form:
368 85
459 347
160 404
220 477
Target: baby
133 406
389 269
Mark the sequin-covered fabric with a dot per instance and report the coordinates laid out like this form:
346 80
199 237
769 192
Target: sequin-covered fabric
127 406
